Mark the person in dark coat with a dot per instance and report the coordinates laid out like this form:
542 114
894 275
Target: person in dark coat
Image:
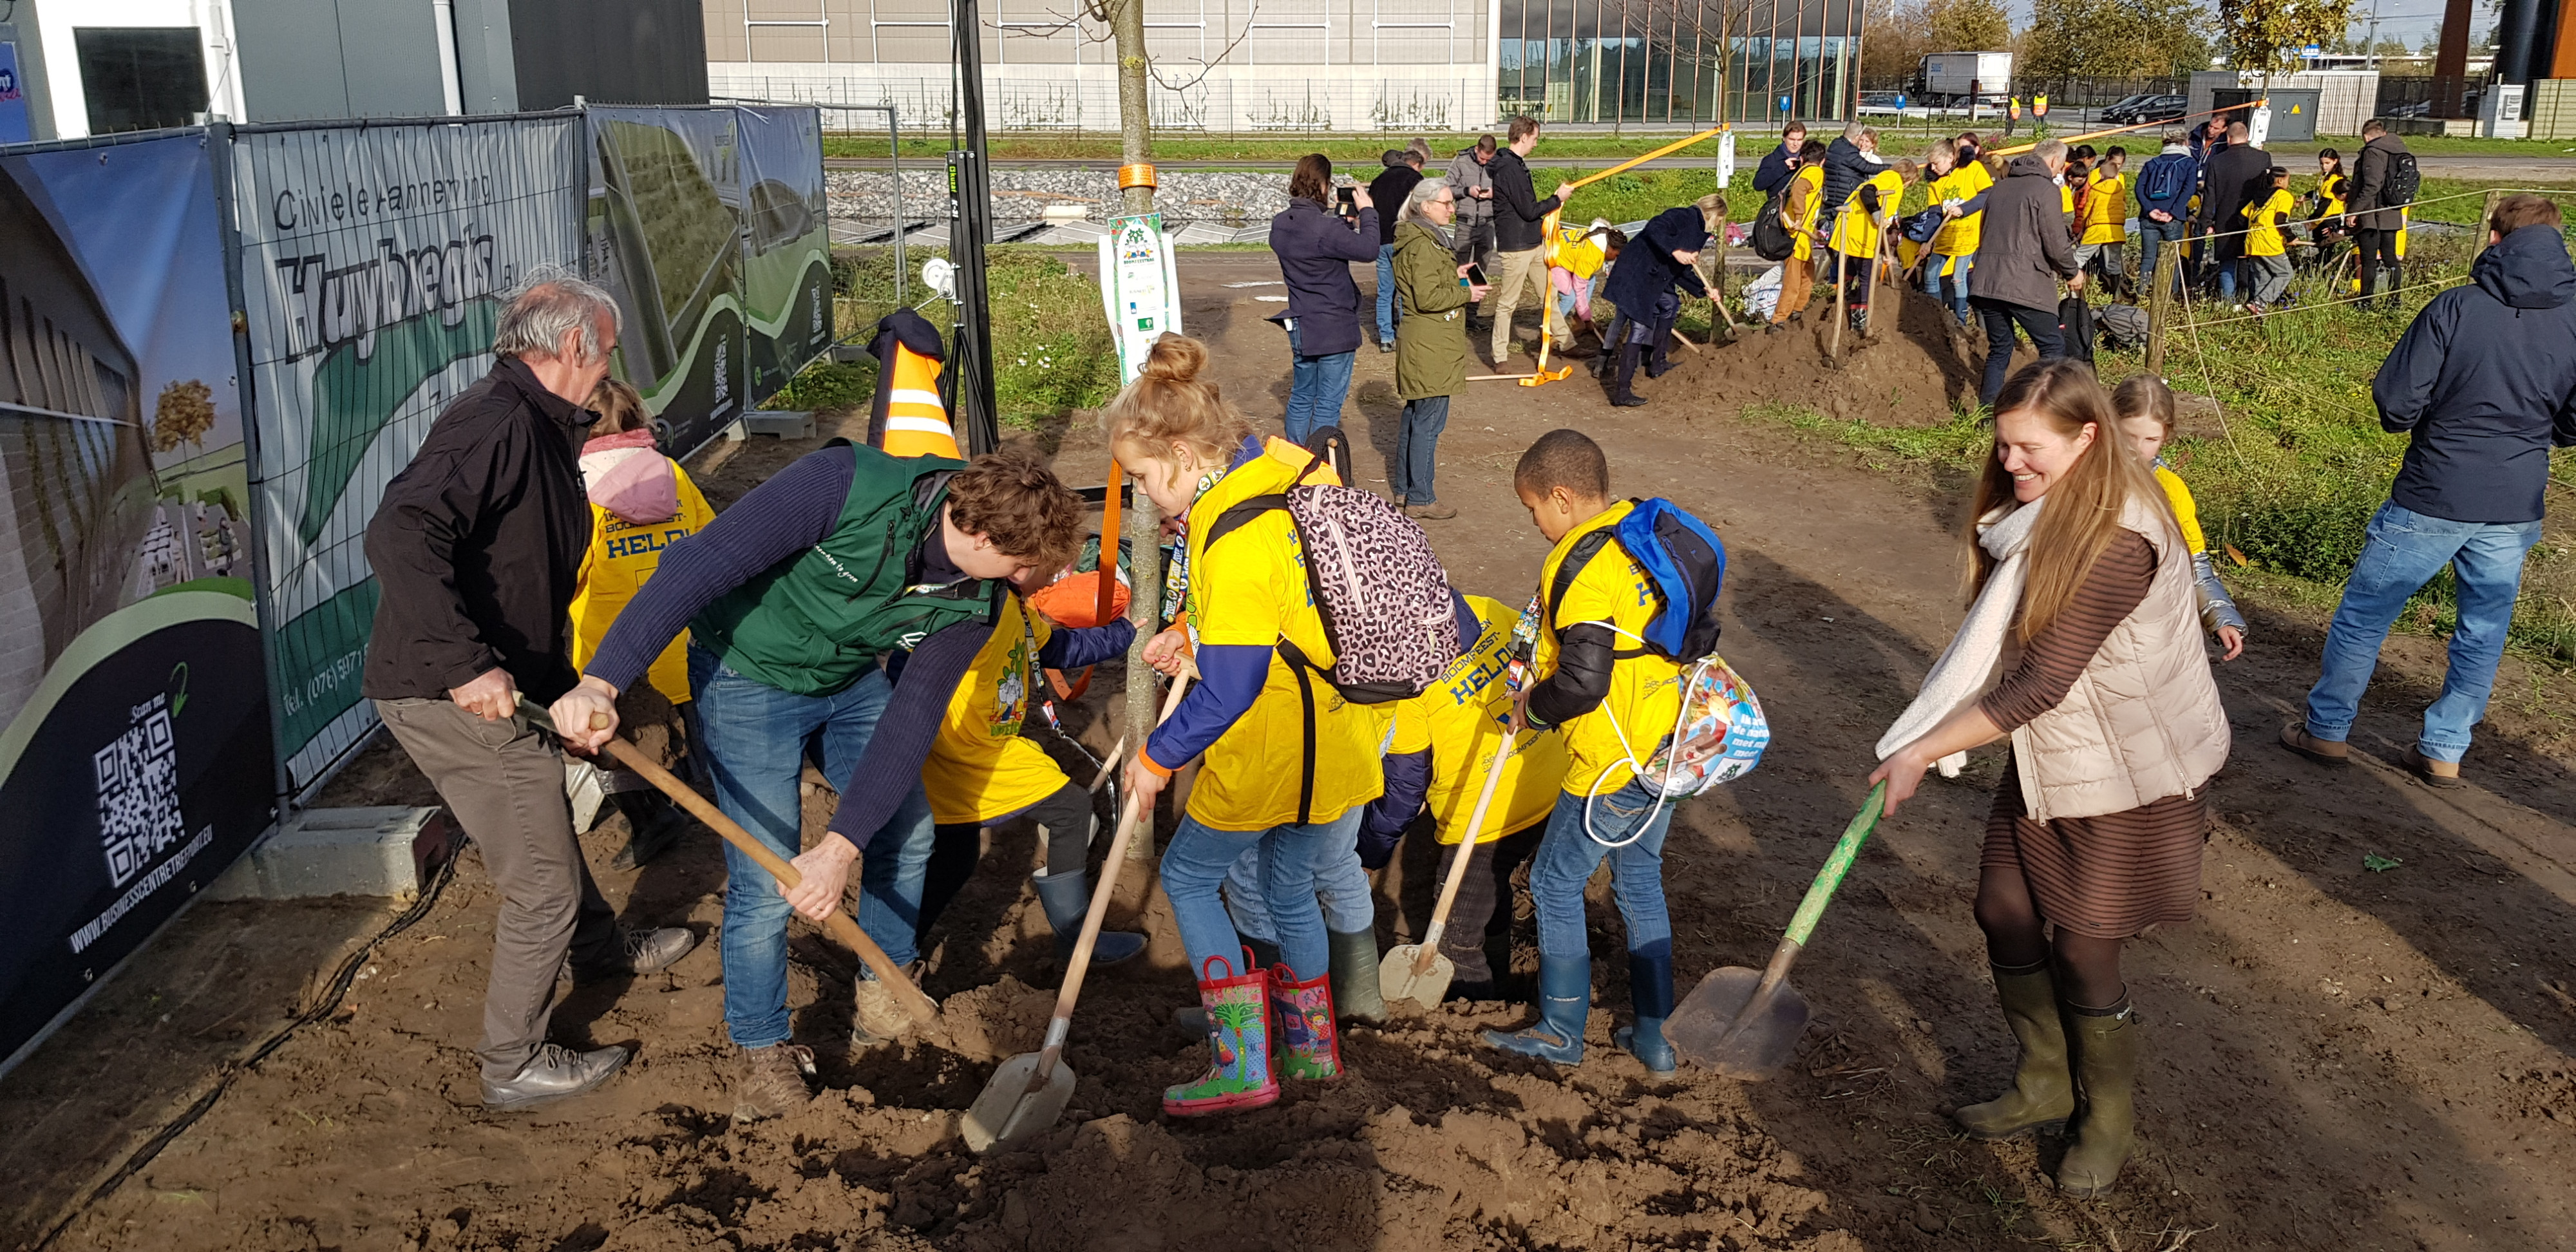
1403 174
1662 261
1779 163
2232 174
1315 250
2485 381
1847 165
2376 224
477 549
1520 244
2021 253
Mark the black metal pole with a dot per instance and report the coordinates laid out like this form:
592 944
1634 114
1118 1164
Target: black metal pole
970 227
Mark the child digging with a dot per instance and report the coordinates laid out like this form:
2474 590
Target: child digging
1250 717
1593 686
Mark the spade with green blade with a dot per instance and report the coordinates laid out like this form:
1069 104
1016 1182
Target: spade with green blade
1744 1023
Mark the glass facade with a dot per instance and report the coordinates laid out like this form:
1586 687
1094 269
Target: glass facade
1680 61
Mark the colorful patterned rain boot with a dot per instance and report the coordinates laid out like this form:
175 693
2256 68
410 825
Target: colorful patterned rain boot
1238 1009
1309 1045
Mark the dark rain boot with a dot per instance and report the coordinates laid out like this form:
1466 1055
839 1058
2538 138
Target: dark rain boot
1355 990
1650 991
1192 1020
2105 1043
1564 1000
1066 902
1621 395
1310 1047
1238 1077
2043 1092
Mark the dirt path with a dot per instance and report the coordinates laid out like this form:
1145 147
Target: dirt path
2336 1058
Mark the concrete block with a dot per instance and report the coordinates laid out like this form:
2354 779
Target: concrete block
784 423
378 851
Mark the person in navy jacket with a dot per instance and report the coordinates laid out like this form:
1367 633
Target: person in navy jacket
1315 248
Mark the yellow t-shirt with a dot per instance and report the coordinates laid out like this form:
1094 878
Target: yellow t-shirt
2265 238
980 768
2106 210
2186 514
621 558
1802 239
2066 200
1960 235
1459 721
1252 589
1855 231
1575 251
1645 691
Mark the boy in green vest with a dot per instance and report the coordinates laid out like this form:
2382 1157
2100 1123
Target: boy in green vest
831 611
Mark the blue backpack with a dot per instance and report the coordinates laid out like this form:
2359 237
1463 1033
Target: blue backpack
1683 558
2168 180
1924 225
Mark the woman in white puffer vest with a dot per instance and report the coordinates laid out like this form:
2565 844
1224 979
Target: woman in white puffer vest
2083 646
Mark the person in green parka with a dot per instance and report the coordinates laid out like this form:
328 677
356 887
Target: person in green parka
1431 341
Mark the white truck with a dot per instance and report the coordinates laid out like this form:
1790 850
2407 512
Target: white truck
1949 77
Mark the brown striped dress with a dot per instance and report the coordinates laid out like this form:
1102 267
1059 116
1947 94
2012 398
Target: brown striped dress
2112 875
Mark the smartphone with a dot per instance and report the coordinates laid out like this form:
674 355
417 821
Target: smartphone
1475 275
1349 206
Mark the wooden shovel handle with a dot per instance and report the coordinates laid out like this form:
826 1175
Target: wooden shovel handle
1080 963
1458 864
836 923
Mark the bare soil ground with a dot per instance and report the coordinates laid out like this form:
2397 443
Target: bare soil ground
2336 1057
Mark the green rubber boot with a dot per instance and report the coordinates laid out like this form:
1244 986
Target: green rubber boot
1355 989
2043 1093
1239 1077
2106 1067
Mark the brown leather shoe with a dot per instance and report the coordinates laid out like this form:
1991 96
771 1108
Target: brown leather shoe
2296 738
878 1013
1431 512
772 1081
2432 773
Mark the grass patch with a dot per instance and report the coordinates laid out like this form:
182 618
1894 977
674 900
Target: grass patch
1051 348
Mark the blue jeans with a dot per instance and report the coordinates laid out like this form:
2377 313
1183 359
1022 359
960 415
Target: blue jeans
1567 856
756 740
2403 551
1341 885
1198 859
1316 387
2154 237
1957 278
1390 309
1417 448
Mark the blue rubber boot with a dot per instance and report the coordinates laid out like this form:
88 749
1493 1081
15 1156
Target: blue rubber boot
1650 990
1066 902
1564 999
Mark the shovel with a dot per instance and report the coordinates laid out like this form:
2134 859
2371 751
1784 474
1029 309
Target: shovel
1028 1093
1744 1024
924 1010
1417 971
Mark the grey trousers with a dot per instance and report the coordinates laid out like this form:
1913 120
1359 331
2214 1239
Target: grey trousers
504 781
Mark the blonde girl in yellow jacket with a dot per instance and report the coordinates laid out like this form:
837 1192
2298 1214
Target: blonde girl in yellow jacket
640 503
1954 248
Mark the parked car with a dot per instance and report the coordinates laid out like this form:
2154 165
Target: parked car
2146 109
1881 103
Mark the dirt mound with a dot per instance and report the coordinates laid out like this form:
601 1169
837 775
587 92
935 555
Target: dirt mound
1916 373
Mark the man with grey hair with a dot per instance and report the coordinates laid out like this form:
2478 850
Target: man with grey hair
2022 254
477 547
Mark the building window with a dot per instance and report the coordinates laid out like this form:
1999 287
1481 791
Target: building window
141 77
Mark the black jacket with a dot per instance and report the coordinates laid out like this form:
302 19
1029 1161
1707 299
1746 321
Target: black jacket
1387 192
1315 250
1846 167
2222 192
2486 380
1647 268
2370 187
477 545
1774 170
1519 215
2022 248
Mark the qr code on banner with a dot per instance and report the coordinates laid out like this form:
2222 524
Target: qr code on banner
138 794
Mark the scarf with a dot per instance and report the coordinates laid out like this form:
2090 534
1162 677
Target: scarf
1971 665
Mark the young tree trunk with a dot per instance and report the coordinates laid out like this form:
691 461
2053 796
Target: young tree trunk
1135 116
1144 522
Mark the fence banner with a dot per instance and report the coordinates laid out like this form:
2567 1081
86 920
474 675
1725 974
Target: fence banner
375 260
787 246
136 761
664 227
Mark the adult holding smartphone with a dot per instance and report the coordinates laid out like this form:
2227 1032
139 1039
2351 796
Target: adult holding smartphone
1431 343
1315 250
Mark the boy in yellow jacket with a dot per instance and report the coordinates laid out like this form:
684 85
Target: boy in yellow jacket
1439 748
2102 220
2267 243
1609 696
640 503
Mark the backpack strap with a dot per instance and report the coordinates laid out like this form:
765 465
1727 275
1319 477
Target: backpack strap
1580 556
1231 520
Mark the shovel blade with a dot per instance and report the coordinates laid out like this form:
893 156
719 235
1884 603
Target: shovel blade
1008 1112
1702 1023
1397 981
